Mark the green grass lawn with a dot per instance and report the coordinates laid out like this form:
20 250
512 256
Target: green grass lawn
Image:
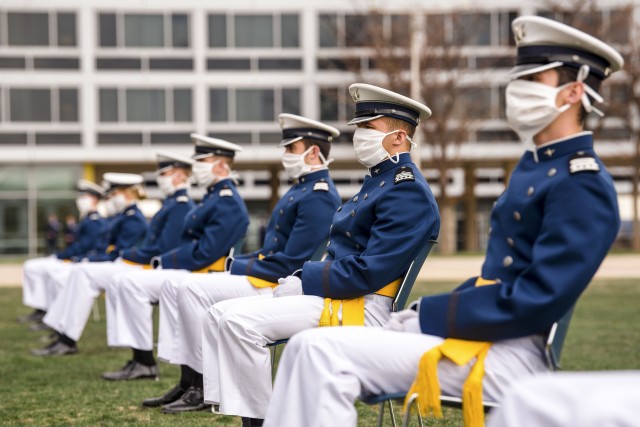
68 390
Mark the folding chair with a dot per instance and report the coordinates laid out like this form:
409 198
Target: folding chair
398 303
552 350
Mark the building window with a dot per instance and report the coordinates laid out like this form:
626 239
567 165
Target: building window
145 105
252 105
143 30
472 29
336 105
133 30
135 105
42 105
254 31
355 30
33 29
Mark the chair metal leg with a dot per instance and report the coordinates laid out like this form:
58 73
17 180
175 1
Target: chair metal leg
413 400
380 414
393 417
96 311
274 351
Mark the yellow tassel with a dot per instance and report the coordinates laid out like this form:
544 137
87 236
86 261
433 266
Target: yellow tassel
427 385
325 318
335 308
472 409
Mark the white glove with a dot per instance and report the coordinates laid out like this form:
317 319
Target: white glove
404 321
288 287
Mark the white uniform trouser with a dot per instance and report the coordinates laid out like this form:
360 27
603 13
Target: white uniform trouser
130 314
567 399
196 294
236 363
56 279
322 372
34 291
69 312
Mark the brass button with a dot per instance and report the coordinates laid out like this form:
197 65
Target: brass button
382 184
530 191
510 242
348 234
353 213
552 172
517 216
291 199
507 261
304 189
355 199
339 208
281 211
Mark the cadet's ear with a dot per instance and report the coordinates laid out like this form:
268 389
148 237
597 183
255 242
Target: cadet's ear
573 93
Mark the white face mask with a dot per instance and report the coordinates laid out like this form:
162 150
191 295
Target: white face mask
204 176
119 203
85 204
531 107
203 173
368 146
295 166
165 184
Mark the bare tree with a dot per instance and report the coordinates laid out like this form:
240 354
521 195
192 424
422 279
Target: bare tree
441 63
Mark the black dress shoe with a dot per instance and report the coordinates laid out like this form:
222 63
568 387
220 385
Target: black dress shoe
57 348
34 316
252 422
132 370
191 400
37 327
169 397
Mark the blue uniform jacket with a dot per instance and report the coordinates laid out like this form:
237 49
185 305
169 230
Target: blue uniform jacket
88 237
128 228
550 230
165 229
299 224
376 234
210 229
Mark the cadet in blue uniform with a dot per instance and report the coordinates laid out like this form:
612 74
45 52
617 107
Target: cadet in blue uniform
70 310
374 237
550 230
209 232
88 236
299 225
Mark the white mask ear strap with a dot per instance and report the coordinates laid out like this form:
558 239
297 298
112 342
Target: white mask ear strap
582 75
325 162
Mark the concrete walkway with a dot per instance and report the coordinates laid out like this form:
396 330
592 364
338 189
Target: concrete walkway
458 268
436 269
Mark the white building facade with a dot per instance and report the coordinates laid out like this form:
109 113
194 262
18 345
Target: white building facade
93 86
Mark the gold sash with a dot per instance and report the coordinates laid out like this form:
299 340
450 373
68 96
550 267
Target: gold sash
460 352
216 266
136 264
352 309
